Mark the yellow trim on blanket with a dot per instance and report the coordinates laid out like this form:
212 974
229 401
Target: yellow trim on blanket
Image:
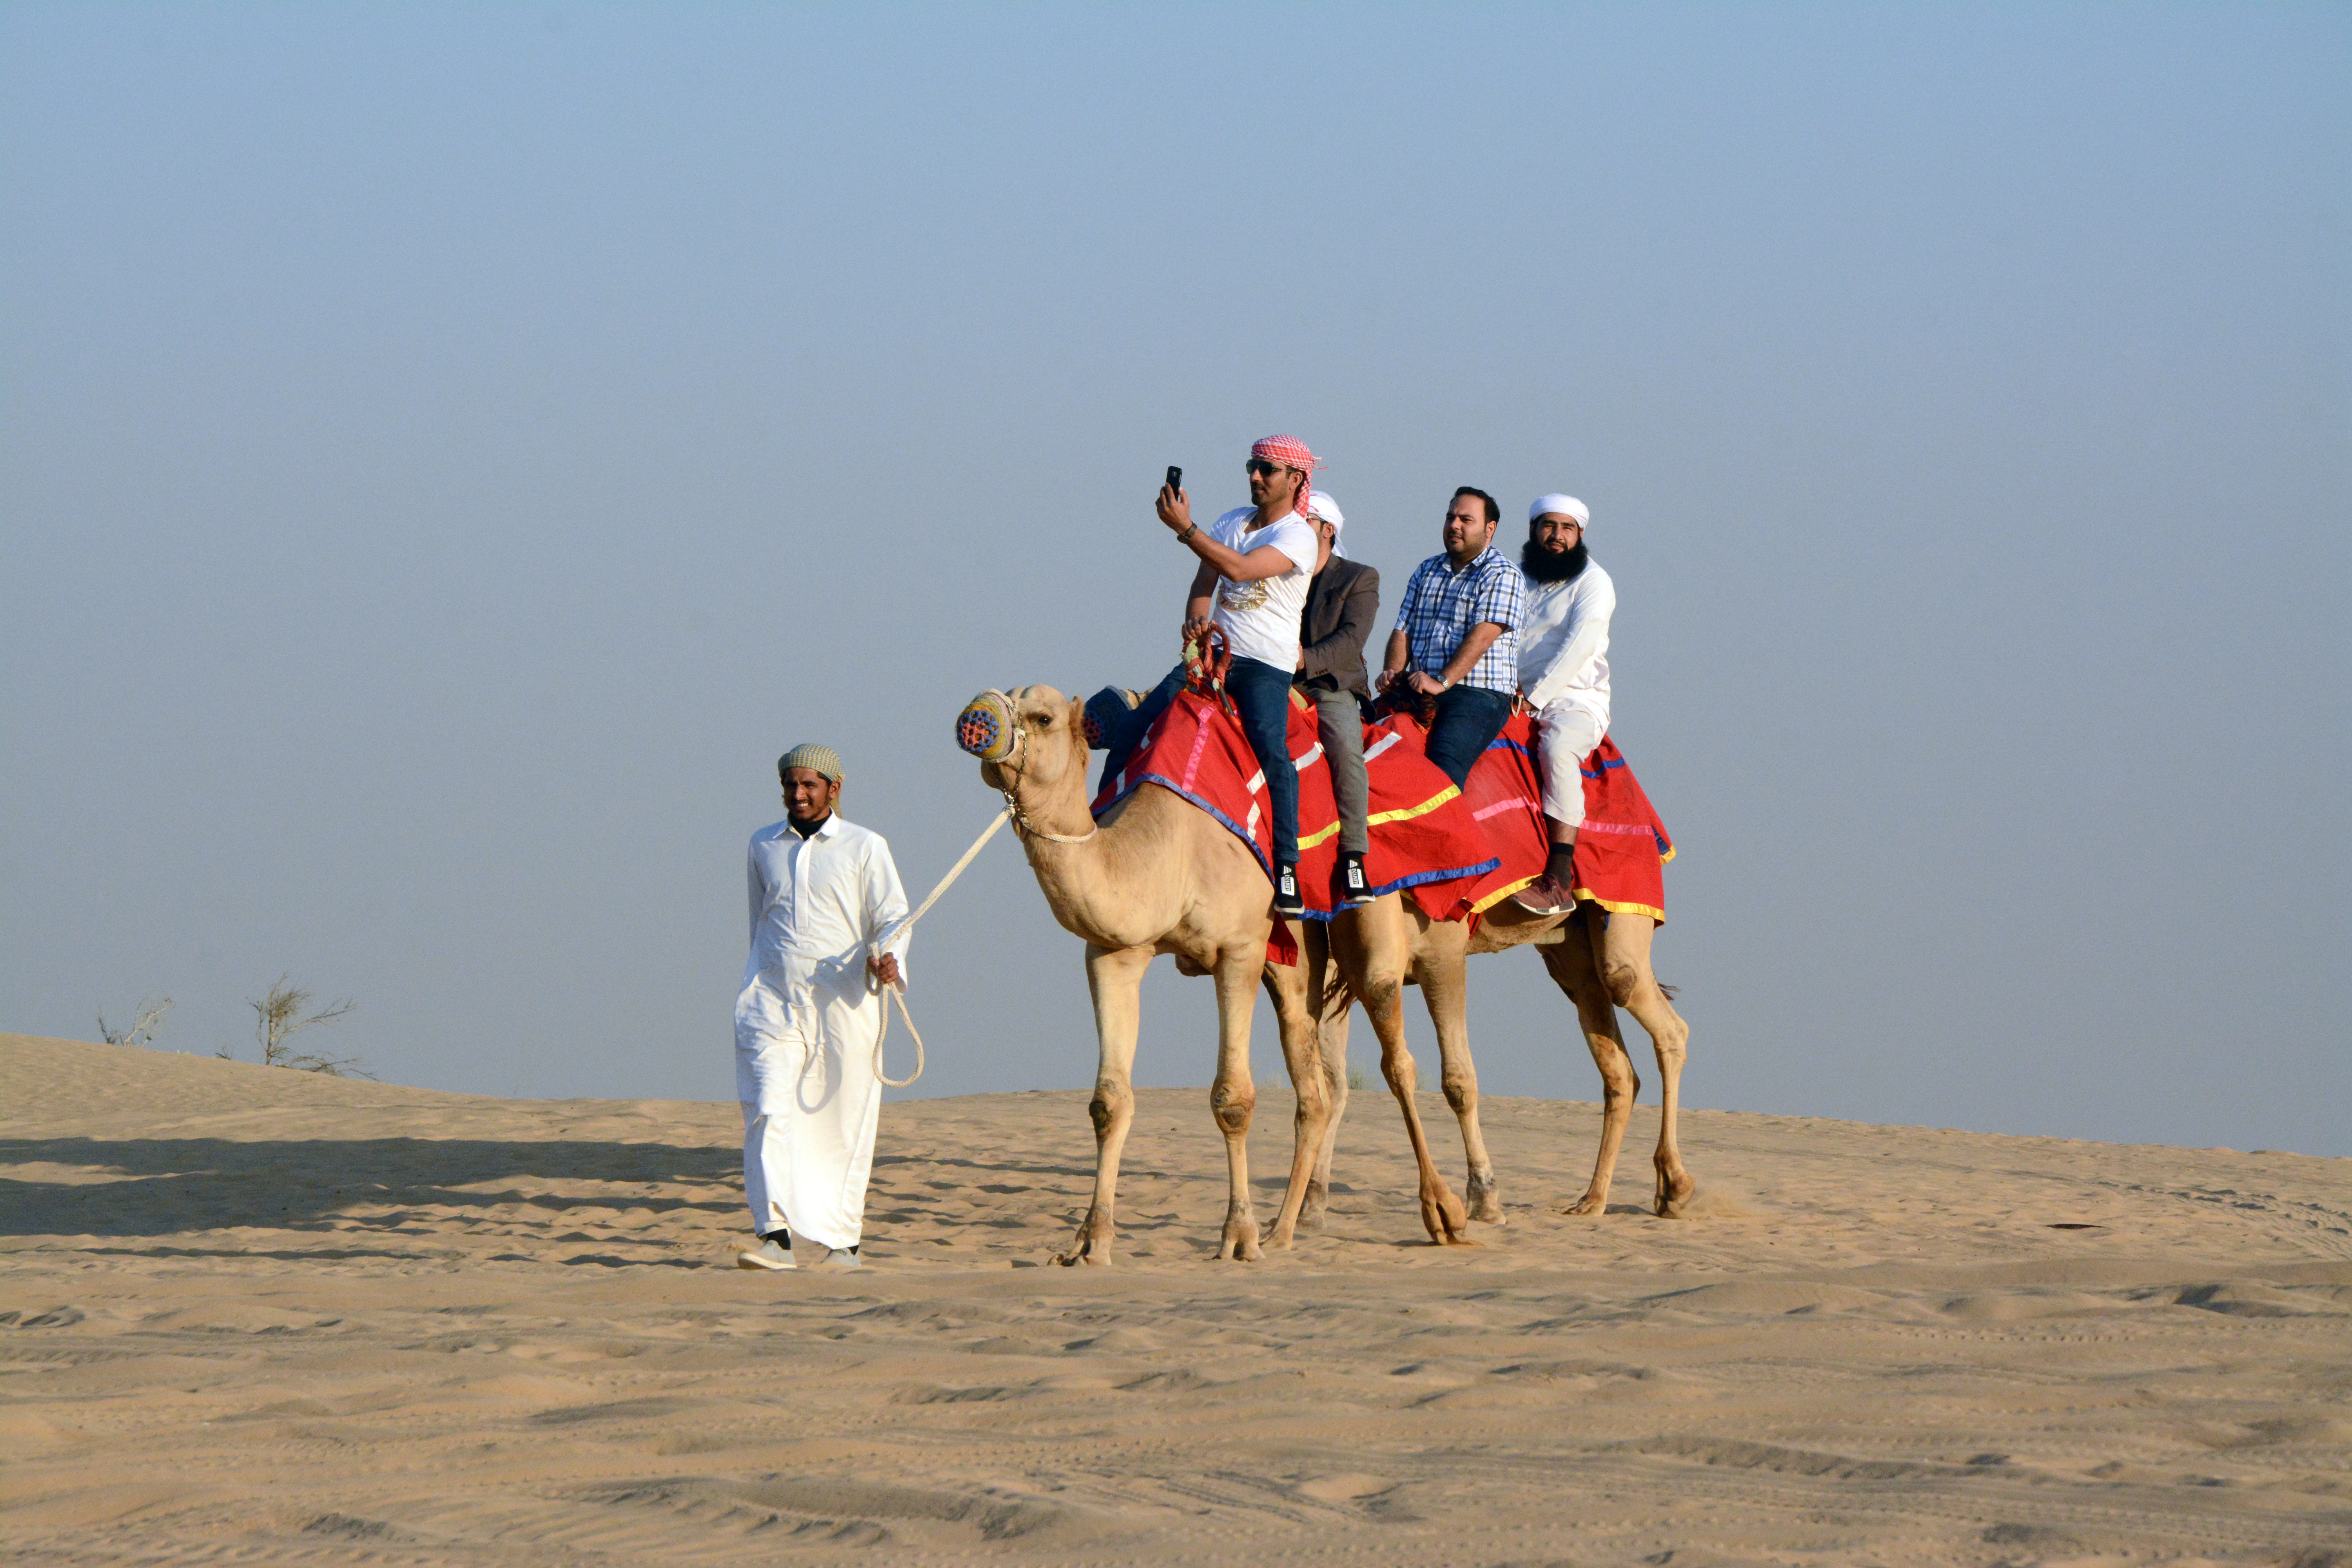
1615 908
1491 900
1407 813
1667 857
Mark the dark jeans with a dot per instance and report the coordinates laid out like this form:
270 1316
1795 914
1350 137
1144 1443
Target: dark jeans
1261 695
1468 720
1123 727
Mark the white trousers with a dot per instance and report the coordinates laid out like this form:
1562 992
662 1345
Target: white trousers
1566 733
805 1072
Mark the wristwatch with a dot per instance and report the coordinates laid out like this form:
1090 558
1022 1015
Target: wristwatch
1188 533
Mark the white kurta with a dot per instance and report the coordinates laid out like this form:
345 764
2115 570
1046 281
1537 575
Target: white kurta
806 1025
1564 672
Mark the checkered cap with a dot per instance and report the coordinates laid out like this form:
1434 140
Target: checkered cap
821 759
1291 453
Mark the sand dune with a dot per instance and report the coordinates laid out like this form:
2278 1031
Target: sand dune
253 1315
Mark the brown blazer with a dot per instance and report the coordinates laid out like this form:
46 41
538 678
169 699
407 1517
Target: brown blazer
1342 603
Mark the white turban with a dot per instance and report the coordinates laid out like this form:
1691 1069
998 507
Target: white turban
1567 506
1322 505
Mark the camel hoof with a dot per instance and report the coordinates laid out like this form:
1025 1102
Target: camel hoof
1442 1216
1675 1194
1086 1252
1590 1203
1484 1207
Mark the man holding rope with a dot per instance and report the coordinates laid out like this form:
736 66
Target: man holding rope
829 926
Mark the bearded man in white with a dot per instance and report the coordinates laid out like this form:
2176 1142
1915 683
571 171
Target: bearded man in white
1564 676
828 926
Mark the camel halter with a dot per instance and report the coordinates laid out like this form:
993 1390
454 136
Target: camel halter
989 730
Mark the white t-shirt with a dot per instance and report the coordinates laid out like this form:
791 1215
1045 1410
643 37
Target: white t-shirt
1261 618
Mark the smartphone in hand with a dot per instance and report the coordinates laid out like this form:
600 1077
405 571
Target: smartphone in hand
1175 479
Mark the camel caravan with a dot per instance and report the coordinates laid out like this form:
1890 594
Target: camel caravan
1195 844
1270 815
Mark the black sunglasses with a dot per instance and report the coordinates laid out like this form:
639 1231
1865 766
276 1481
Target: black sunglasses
1260 465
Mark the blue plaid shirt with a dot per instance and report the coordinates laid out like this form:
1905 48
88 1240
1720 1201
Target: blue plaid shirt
1440 605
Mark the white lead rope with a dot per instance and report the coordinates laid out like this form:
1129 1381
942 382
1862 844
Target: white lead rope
898 994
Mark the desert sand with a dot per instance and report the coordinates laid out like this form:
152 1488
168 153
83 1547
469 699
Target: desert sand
252 1315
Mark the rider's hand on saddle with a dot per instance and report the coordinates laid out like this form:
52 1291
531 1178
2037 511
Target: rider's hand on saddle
886 969
1197 627
1422 681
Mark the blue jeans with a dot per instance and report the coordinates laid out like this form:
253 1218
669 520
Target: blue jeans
1261 694
1468 720
1123 727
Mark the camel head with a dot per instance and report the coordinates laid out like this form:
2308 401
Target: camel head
1032 741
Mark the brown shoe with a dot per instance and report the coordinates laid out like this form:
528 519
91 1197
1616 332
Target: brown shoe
1545 896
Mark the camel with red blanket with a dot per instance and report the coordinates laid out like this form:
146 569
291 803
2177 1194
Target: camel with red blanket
1443 863
1154 875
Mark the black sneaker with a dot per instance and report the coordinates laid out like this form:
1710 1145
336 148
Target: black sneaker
1355 888
1287 902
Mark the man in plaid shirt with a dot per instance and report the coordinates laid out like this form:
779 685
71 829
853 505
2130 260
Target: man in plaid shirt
1457 636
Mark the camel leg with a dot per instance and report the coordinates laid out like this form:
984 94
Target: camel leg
1286 986
1233 1095
1331 1043
1575 970
1444 989
1382 996
1115 980
1622 950
1330 998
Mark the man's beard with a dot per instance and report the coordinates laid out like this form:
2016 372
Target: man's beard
1545 567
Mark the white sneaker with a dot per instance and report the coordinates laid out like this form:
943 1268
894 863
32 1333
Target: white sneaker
838 1257
769 1253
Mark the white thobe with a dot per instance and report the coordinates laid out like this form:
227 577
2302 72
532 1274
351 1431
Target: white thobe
806 1025
1564 673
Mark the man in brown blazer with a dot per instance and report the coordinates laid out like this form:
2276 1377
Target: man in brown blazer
1342 603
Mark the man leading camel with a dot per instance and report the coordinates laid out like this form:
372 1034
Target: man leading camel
1564 675
825 895
1256 564
1456 637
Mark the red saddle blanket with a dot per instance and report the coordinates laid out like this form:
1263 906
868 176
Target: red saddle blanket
1621 851
1454 852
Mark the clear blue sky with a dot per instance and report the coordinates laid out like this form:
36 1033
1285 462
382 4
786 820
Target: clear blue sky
449 451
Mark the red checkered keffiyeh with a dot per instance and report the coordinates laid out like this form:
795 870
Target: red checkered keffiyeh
1291 453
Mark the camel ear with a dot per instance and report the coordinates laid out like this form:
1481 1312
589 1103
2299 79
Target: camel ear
1079 731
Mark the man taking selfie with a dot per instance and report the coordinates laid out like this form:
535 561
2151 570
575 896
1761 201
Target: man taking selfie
1256 564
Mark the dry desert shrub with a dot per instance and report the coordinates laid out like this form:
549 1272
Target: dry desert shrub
146 1022
278 1017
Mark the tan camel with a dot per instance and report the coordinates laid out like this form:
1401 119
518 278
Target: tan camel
1391 944
1155 874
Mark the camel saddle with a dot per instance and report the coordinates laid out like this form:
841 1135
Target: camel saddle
1454 852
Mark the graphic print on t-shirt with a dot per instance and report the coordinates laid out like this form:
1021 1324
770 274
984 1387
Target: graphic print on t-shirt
1239 596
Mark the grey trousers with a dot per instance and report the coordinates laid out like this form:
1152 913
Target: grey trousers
1341 726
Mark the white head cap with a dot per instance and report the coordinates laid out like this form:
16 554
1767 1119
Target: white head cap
1567 506
1320 505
